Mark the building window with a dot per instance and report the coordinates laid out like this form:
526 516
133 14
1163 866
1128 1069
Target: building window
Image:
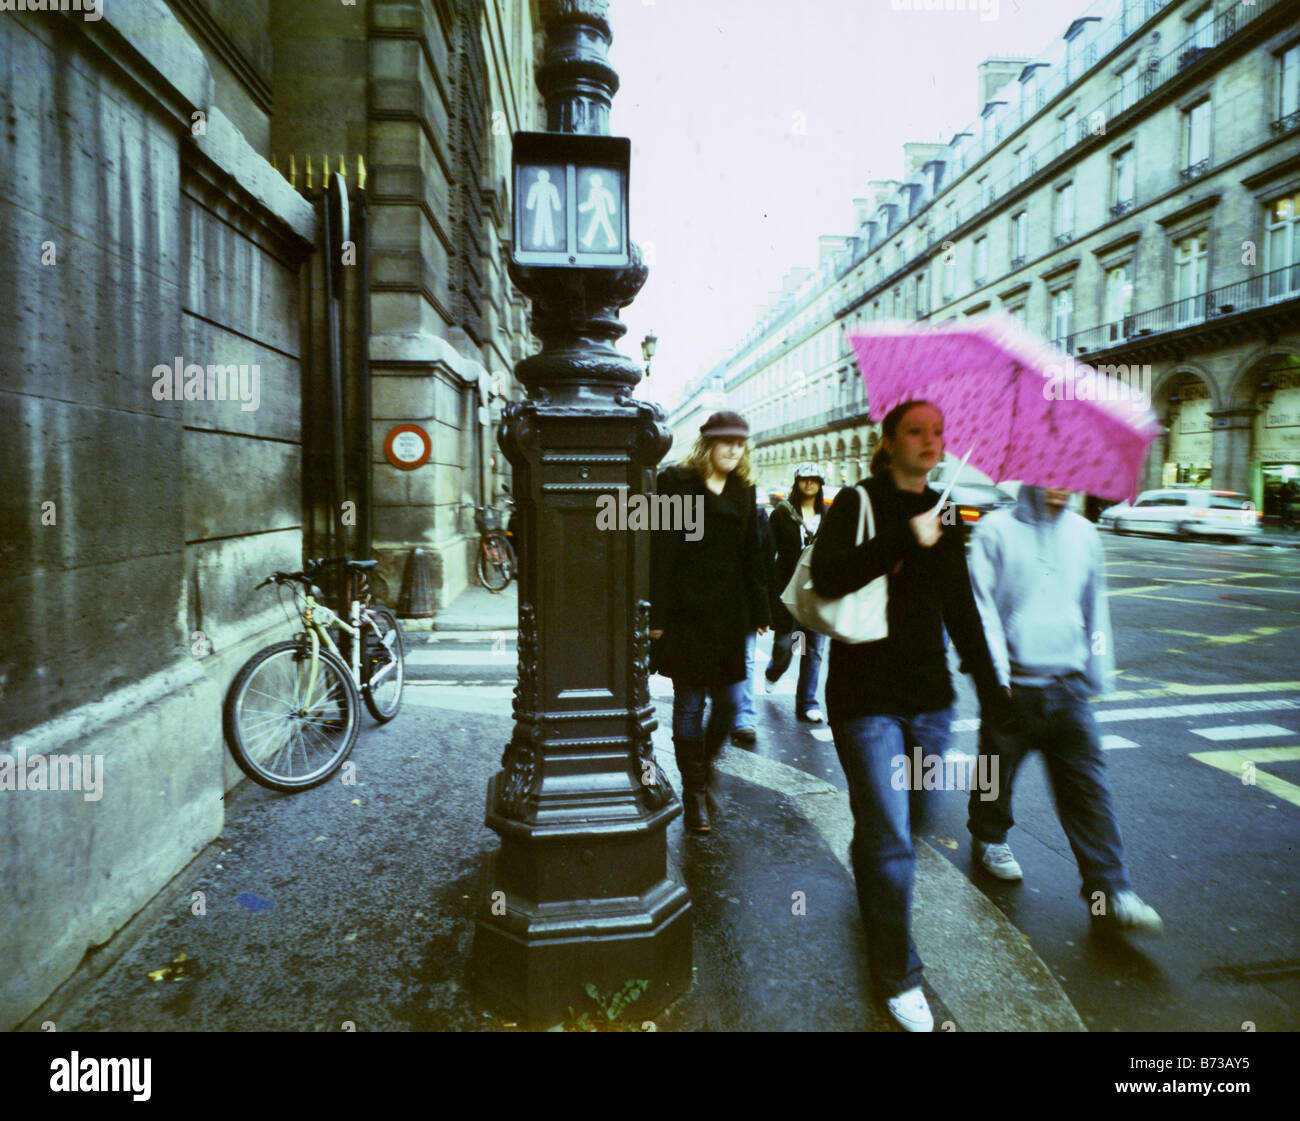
1282 247
1122 183
1019 239
1196 140
950 216
1023 166
922 302
1065 214
1288 89
1119 299
1017 313
1029 91
950 274
1069 130
980 270
1190 261
986 196
1062 315
1128 86
1202 28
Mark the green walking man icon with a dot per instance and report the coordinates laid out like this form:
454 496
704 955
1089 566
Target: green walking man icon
602 203
543 198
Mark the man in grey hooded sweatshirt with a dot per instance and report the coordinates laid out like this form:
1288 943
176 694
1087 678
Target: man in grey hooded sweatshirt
1039 581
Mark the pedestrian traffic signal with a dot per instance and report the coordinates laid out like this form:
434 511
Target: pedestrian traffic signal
570 200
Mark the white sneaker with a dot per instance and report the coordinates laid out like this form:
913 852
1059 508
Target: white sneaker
813 716
912 1010
1129 914
768 686
996 860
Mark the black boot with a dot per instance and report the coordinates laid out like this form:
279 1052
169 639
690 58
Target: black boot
693 762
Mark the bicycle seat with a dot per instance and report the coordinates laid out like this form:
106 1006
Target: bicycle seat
363 566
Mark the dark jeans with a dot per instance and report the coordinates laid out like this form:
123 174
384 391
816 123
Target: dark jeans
688 713
810 665
1056 720
885 815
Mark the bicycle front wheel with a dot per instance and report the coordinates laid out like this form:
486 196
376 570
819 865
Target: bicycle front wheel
496 561
290 729
383 664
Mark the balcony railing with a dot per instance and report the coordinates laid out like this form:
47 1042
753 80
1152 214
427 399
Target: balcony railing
1194 171
1121 208
1064 239
1217 304
1286 124
1017 263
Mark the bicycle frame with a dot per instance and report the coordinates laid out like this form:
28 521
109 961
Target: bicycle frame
318 619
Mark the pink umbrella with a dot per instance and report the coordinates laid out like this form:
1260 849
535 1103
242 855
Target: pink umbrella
1030 412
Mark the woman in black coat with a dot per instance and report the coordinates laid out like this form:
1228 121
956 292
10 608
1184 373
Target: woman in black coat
706 596
794 526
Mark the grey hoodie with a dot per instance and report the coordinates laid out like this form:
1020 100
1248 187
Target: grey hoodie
1040 585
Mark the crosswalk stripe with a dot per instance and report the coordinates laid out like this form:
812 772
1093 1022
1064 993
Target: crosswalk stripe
1174 689
1242 732
1115 743
1164 712
1248 760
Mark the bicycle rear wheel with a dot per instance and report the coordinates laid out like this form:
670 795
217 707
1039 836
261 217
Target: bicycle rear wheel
496 561
285 730
383 664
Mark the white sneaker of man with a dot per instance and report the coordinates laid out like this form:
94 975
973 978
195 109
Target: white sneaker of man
912 1010
996 860
1127 913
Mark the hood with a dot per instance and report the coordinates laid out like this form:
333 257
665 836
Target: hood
1031 507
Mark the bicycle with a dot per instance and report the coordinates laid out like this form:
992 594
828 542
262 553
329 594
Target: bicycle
292 714
496 564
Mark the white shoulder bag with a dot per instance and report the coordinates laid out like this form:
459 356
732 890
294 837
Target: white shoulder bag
857 617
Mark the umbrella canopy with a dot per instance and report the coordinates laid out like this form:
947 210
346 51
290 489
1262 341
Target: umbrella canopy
1031 413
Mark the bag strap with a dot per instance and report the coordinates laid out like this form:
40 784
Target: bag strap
866 516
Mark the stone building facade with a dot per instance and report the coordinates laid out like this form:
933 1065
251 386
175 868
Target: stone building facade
1133 195
159 363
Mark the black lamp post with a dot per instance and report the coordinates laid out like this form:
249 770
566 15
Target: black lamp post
648 345
580 892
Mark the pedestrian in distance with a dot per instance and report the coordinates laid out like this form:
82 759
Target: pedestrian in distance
707 594
794 527
1040 584
893 697
744 732
1289 496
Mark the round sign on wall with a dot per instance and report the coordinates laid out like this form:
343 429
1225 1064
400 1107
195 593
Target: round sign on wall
407 447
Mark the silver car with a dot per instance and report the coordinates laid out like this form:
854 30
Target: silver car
1186 512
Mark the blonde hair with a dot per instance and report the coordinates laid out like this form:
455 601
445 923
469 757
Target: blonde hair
698 460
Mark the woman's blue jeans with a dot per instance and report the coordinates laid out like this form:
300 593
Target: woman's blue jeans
886 812
688 713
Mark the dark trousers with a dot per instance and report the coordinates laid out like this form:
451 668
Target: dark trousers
1055 719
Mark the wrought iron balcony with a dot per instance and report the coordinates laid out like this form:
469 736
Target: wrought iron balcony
1194 171
1216 305
1287 123
1121 208
1017 263
1065 238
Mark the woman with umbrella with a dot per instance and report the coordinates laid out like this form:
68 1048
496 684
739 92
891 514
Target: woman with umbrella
891 699
794 525
707 594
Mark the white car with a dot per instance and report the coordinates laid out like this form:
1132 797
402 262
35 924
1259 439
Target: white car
1186 512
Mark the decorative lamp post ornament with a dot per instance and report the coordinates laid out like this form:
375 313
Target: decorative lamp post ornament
648 350
580 893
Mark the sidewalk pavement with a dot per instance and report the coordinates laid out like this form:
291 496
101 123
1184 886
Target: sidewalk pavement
1276 535
354 904
477 609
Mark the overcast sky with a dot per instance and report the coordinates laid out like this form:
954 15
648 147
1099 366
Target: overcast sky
754 123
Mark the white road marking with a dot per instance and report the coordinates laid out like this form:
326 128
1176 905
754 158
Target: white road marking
1114 743
1163 712
1242 732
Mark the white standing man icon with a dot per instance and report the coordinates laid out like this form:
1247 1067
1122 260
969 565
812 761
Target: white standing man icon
603 204
543 198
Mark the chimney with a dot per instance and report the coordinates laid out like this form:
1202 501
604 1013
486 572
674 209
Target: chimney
862 209
994 73
881 189
915 156
828 245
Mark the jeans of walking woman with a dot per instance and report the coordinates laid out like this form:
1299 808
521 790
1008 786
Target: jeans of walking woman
886 813
688 712
810 665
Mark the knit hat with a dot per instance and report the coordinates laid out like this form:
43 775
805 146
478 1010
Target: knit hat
725 423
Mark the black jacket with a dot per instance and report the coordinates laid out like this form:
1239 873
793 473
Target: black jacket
907 672
707 595
788 538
